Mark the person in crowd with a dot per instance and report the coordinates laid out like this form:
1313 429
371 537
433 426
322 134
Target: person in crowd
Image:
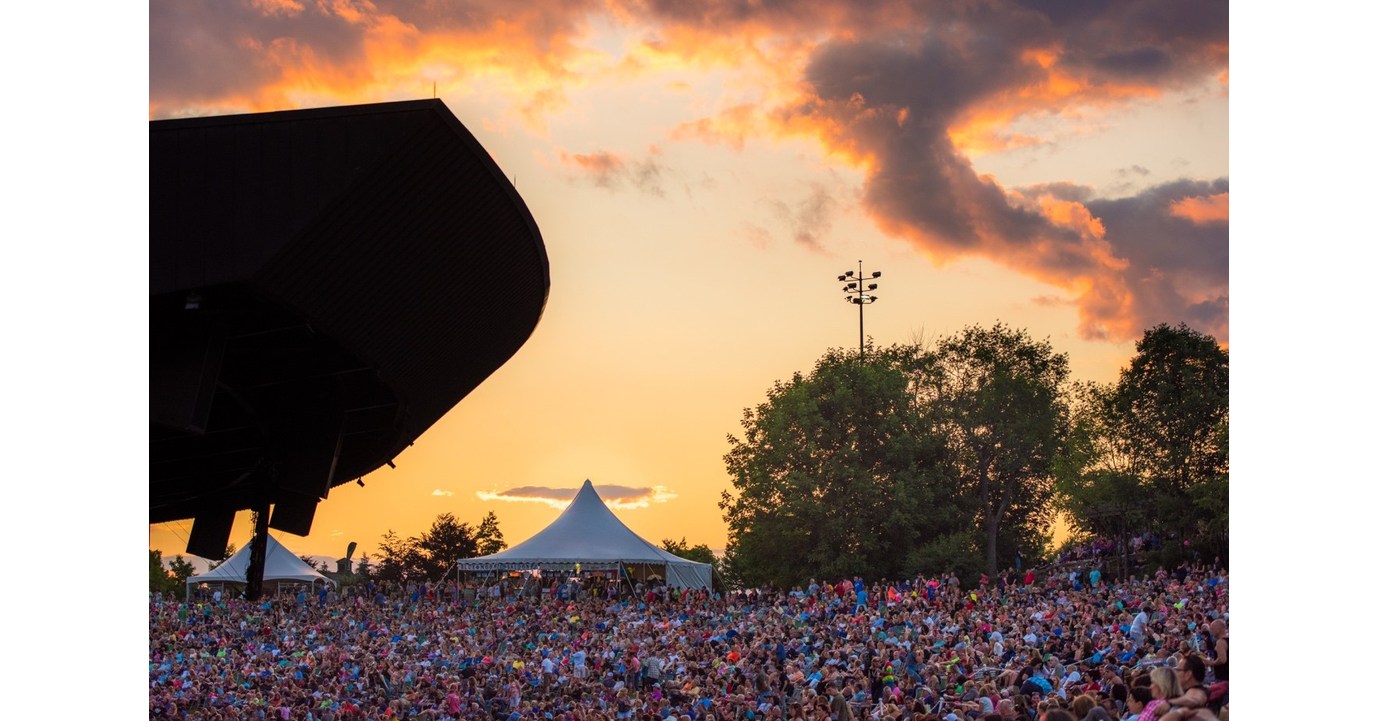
1192 702
915 649
1163 684
1139 697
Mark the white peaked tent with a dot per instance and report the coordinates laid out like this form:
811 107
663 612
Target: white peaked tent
279 565
587 533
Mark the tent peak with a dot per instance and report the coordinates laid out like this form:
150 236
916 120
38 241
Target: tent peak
587 532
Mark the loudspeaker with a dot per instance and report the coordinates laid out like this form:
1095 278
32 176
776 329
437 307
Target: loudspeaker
293 514
210 534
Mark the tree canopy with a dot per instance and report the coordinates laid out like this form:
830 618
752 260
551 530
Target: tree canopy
1150 453
1174 399
171 578
701 553
956 455
430 555
835 474
994 397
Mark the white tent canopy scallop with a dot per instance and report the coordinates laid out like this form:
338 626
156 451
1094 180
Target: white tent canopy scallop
588 534
279 565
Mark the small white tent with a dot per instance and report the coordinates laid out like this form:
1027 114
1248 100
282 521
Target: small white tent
279 565
588 534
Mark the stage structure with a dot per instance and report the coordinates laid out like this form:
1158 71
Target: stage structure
324 285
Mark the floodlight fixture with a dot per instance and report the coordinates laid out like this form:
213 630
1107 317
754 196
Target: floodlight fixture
861 298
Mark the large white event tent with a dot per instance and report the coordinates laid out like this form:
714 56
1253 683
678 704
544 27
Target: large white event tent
279 565
588 535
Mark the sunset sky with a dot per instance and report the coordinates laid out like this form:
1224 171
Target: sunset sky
702 171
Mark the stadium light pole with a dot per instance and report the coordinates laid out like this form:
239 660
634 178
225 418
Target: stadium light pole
859 292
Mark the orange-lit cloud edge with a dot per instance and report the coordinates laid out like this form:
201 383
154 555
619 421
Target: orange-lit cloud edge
614 496
538 57
1203 209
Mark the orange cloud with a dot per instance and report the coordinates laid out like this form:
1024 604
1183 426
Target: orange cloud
730 127
275 7
1209 209
611 171
1051 88
616 497
601 162
1073 215
904 93
277 54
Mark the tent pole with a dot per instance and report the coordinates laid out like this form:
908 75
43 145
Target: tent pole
446 574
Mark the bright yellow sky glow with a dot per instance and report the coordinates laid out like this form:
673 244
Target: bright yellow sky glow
741 168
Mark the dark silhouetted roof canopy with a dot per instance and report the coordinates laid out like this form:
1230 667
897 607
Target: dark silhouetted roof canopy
324 285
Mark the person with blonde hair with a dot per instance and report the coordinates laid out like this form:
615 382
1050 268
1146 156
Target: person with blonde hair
1163 685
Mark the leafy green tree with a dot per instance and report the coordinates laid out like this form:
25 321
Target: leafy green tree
446 542
701 553
434 552
160 580
995 398
399 558
169 578
488 537
1099 472
956 553
365 567
1210 501
230 550
834 475
181 569
1151 452
1175 399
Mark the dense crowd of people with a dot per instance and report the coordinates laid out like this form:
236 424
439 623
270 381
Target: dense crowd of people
1067 646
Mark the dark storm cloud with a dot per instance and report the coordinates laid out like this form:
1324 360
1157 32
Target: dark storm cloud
1141 39
935 77
1137 62
921 180
895 98
1132 21
542 25
1146 232
483 14
891 85
926 185
1178 268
